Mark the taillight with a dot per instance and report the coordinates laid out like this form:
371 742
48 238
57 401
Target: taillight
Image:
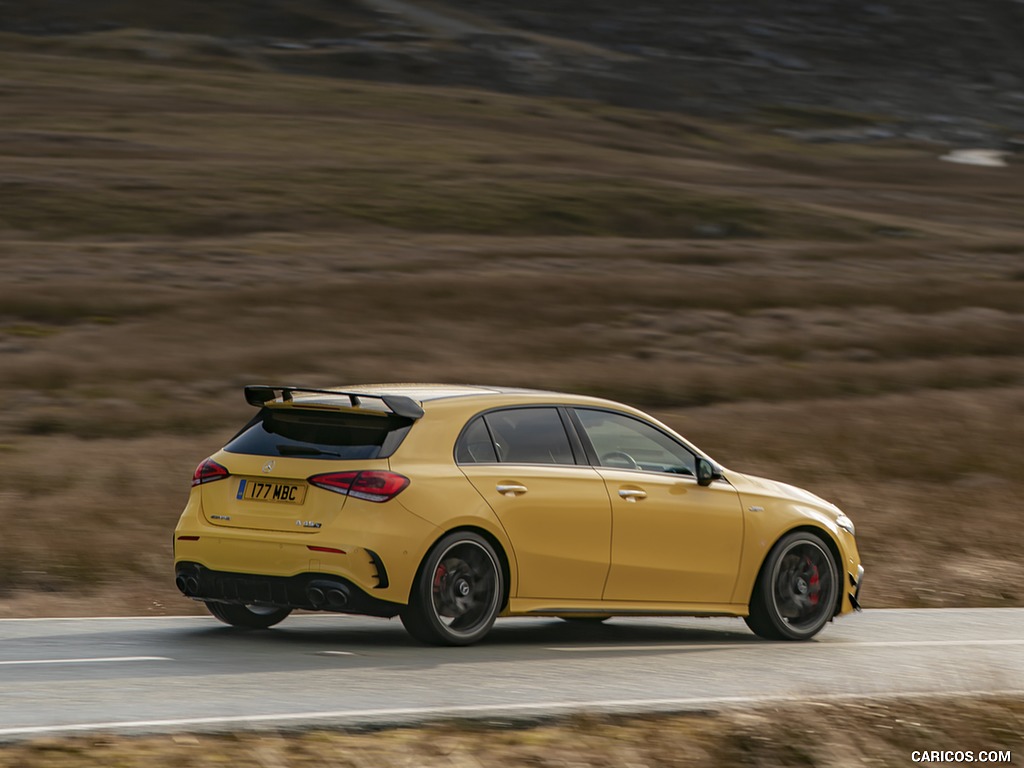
368 484
209 471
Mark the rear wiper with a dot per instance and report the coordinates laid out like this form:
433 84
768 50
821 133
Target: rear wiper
304 450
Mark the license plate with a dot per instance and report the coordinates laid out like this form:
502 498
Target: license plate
250 489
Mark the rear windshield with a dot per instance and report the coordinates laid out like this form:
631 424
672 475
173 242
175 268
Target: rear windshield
310 434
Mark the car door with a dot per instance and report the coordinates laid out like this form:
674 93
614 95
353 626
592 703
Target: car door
673 540
555 511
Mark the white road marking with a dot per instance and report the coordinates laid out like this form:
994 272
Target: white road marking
105 618
475 710
335 653
179 617
762 646
103 660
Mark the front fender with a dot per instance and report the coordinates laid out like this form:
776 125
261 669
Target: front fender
770 516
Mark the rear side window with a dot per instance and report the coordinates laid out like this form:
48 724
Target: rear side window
529 436
475 446
310 434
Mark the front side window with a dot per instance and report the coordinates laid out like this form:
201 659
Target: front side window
529 436
623 442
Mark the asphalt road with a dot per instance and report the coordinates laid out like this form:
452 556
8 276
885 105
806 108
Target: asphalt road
60 676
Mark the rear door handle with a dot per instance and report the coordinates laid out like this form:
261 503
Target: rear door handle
631 495
511 489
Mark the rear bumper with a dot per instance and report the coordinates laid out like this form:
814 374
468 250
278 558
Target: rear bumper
308 591
376 547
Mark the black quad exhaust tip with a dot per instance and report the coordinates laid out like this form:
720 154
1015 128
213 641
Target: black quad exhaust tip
187 585
326 595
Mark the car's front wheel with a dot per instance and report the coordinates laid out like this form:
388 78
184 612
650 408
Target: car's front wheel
248 616
795 594
457 594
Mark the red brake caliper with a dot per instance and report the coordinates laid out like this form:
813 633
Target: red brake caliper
812 585
439 574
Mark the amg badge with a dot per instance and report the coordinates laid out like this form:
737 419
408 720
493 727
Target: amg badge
308 524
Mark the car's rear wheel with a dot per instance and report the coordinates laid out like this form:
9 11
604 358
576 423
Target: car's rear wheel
795 594
457 594
248 616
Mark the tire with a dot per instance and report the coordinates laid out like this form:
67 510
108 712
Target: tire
458 591
796 591
248 616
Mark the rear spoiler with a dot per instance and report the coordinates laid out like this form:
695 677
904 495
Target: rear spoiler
400 405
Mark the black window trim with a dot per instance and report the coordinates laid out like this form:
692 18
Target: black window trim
579 443
579 452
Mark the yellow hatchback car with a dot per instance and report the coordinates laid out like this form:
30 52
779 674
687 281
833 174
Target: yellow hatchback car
450 506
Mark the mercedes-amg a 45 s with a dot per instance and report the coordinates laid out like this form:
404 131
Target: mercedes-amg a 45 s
450 506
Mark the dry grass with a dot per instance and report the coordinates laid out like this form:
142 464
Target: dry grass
848 319
809 735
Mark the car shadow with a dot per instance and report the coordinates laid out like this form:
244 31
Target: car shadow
329 643
527 638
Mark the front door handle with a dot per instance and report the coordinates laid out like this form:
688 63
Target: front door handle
632 495
511 489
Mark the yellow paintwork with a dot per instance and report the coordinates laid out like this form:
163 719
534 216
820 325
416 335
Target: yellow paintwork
560 529
680 543
571 544
786 508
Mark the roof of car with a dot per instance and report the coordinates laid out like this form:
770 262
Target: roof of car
406 399
425 392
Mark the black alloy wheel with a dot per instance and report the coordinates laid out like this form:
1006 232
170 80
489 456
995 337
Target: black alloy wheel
458 591
796 592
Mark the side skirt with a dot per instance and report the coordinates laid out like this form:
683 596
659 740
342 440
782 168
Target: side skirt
538 607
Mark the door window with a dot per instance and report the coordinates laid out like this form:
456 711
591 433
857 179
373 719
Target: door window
529 436
623 442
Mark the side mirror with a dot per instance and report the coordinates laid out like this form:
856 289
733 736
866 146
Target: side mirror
707 472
